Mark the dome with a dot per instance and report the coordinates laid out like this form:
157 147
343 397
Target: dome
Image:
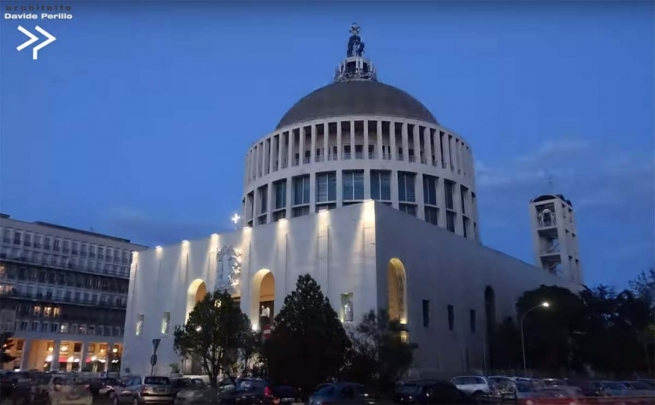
356 97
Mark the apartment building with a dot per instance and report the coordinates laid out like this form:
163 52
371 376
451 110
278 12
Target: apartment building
68 291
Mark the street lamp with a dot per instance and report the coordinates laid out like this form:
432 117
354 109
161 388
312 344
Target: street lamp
544 304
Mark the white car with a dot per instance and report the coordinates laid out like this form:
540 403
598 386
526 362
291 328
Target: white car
474 386
63 389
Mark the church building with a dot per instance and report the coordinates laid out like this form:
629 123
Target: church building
361 187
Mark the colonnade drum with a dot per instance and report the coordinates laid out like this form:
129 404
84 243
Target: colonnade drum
415 166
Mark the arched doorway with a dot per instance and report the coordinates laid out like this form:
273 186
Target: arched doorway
491 321
196 293
397 290
262 295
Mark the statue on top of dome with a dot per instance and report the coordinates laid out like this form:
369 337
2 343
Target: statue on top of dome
355 44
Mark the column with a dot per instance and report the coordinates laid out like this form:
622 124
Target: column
261 158
339 188
289 196
378 149
312 192
269 204
280 151
352 139
418 191
405 141
326 141
457 197
339 146
291 146
301 146
25 356
54 365
367 184
255 206
272 153
417 144
392 141
365 144
437 149
427 143
312 152
394 189
83 354
446 150
441 201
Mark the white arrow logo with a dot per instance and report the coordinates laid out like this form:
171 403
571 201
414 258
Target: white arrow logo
33 39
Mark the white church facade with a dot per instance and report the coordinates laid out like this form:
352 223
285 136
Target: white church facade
360 187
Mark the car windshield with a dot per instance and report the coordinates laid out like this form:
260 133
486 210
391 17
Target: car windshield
524 387
325 391
407 389
611 385
156 381
550 383
638 385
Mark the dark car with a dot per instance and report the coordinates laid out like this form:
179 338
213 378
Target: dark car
25 388
255 391
432 392
340 393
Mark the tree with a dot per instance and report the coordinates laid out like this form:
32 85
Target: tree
6 344
379 357
644 286
552 334
308 343
213 334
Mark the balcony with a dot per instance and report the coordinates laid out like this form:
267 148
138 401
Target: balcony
60 300
69 266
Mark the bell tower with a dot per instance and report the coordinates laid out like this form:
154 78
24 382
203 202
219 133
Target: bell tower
555 237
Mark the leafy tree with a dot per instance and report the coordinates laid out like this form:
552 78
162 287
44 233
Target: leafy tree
644 286
506 343
551 334
379 357
213 334
308 343
6 344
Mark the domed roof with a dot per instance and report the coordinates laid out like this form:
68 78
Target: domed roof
356 97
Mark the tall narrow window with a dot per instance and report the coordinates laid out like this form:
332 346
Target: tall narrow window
353 185
326 187
406 186
429 189
450 191
432 215
381 185
165 322
301 190
451 317
139 324
426 313
263 200
450 221
280 194
473 320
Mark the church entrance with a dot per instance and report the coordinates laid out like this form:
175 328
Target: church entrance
263 299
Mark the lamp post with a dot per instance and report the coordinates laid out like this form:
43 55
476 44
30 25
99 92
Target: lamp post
544 304
235 218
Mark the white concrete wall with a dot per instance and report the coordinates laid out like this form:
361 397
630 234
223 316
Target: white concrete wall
336 247
447 269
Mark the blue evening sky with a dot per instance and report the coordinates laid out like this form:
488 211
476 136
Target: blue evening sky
136 120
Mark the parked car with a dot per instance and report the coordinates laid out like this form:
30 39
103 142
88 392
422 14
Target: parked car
250 391
516 391
106 386
53 389
609 388
474 386
433 392
340 393
638 388
152 389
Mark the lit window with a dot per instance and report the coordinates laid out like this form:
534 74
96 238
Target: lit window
347 307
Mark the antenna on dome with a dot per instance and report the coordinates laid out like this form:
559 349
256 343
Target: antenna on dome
355 66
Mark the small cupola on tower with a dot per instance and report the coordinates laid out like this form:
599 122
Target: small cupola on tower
355 66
